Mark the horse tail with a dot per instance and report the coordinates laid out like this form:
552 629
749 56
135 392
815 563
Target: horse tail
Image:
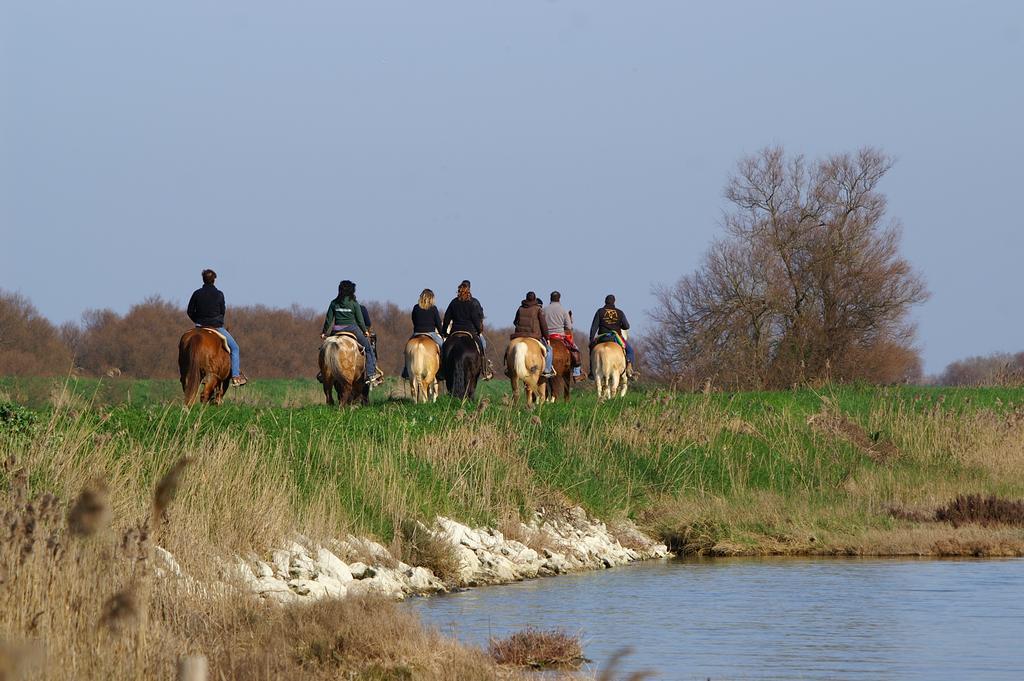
460 381
519 353
193 375
332 362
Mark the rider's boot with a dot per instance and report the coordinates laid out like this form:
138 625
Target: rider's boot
239 380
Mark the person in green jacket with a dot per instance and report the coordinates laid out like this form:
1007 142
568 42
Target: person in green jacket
345 314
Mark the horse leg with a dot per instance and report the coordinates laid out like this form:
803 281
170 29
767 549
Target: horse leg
432 391
328 386
625 385
613 386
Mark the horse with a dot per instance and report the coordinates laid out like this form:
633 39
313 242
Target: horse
422 362
462 364
343 369
524 361
204 361
561 361
608 366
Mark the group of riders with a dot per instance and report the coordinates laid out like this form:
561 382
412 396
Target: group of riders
464 314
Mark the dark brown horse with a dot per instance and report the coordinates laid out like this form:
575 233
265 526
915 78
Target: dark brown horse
462 364
560 384
204 362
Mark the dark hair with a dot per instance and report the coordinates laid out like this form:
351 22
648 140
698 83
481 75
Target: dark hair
347 289
531 296
555 296
465 282
464 292
609 299
209 276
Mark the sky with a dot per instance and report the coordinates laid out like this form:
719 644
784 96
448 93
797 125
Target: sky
581 145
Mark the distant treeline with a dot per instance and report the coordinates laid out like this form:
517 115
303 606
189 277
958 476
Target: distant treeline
283 343
142 343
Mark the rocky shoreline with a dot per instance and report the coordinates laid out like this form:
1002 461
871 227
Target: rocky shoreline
552 543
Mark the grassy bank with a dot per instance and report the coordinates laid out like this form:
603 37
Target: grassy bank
846 470
787 472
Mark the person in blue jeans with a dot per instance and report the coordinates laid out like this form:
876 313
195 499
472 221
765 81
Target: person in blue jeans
345 314
206 310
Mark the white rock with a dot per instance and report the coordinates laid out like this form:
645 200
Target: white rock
296 549
308 587
282 561
263 569
361 570
268 585
422 580
334 587
329 564
302 567
241 571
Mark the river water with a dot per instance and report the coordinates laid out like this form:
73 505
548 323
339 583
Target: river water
770 618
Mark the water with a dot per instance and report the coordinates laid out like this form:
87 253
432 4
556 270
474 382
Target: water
771 619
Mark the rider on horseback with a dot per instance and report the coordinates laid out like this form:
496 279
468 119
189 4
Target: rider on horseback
465 313
344 314
530 323
560 329
206 310
611 321
426 321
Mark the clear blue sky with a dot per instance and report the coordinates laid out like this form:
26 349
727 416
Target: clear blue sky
578 145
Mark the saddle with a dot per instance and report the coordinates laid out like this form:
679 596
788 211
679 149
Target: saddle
218 334
476 343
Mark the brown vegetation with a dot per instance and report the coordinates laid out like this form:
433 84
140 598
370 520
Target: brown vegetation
80 599
807 286
979 510
537 649
29 344
998 369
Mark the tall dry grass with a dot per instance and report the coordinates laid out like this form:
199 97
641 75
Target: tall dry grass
85 593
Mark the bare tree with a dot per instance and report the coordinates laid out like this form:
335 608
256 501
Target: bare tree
807 284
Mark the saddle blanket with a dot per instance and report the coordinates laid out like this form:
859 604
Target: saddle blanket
609 338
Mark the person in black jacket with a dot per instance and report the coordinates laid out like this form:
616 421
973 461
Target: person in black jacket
206 309
610 319
465 313
426 321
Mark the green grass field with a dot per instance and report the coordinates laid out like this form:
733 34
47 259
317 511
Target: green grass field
782 472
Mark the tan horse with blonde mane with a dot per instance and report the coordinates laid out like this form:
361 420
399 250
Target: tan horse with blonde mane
422 362
204 362
524 362
343 370
608 367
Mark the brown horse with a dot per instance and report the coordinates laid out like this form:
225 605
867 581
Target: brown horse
343 369
524 361
561 362
204 361
422 362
